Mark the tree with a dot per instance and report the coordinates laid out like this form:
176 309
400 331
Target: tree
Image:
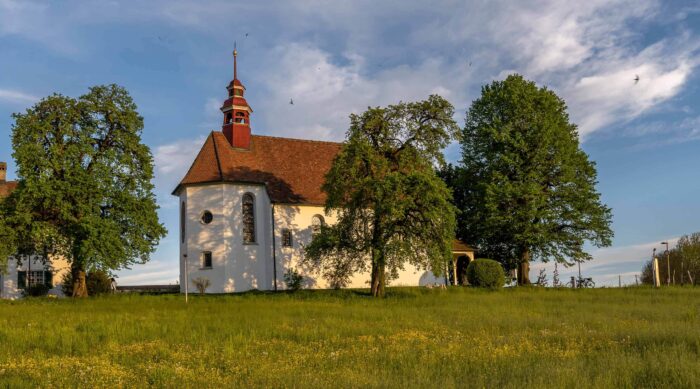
684 262
85 188
391 206
525 188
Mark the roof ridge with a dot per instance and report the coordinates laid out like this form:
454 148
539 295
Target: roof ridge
218 160
298 139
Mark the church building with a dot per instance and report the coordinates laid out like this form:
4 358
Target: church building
249 203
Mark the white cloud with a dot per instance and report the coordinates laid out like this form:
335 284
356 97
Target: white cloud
16 97
325 92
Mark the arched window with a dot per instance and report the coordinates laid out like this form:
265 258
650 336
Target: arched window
182 222
248 214
316 223
229 118
240 117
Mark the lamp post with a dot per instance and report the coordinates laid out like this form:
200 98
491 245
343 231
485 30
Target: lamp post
668 264
186 277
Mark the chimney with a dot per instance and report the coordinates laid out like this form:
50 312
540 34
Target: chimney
3 171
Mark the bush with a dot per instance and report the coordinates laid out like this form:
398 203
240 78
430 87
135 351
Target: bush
293 279
485 273
201 283
96 281
37 290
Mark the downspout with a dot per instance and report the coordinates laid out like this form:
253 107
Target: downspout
274 251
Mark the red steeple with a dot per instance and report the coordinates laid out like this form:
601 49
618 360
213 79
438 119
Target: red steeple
236 112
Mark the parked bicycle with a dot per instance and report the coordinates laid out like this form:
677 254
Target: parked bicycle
581 282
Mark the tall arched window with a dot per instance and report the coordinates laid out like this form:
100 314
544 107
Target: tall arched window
182 222
316 223
248 214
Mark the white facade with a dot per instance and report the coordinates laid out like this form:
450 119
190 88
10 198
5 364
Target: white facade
10 280
237 266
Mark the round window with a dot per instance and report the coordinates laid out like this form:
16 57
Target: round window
207 217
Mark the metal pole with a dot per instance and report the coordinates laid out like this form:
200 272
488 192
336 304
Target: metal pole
668 265
186 279
619 281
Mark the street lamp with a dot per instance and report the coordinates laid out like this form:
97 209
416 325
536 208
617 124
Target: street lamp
668 264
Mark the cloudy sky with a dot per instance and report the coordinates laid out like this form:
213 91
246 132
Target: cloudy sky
334 58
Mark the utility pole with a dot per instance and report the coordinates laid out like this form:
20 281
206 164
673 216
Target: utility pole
668 264
186 278
619 280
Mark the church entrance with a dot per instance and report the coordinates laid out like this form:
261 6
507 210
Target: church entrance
462 263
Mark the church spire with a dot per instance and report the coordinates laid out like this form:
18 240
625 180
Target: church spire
236 126
235 55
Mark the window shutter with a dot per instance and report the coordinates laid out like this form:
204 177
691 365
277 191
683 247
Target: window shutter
21 279
48 279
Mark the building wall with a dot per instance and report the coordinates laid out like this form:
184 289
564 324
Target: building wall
8 281
238 267
298 219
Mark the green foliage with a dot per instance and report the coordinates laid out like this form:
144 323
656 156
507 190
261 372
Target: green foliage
97 282
85 188
392 208
486 273
684 261
415 337
525 188
293 279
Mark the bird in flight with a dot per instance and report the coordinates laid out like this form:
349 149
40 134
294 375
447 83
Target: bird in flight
636 79
291 102
246 34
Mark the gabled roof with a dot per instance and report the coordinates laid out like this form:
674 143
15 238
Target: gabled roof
293 170
459 246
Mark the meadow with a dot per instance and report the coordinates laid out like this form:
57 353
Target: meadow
460 337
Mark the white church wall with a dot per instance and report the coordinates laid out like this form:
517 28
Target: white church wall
236 266
298 219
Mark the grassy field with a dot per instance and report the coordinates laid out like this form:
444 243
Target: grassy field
635 337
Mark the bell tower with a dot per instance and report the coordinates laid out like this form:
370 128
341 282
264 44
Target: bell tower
236 126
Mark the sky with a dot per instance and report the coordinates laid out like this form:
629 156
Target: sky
337 58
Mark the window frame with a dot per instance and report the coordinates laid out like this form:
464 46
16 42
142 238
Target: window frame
204 213
315 229
245 229
203 260
287 238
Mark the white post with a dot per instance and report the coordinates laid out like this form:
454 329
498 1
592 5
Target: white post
186 278
657 278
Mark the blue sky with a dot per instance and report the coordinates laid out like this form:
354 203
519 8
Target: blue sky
334 58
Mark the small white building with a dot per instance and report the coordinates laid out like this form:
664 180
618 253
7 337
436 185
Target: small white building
249 203
30 271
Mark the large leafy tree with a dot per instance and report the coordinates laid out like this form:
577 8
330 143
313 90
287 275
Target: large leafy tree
525 188
392 208
85 188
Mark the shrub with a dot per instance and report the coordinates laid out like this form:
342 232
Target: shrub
37 290
485 273
293 279
201 283
96 281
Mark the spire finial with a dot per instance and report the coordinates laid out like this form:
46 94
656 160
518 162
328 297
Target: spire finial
235 54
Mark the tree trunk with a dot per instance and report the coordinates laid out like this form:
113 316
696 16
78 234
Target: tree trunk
524 268
378 280
79 283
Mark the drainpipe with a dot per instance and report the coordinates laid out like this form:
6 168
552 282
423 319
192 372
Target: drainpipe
274 251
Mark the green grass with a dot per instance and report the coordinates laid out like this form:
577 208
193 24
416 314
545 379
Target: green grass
460 337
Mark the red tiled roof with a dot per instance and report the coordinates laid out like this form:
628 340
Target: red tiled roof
293 170
7 187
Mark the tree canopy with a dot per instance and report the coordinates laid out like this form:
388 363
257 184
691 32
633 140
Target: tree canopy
392 208
85 188
524 187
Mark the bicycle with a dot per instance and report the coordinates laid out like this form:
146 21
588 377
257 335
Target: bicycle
581 282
